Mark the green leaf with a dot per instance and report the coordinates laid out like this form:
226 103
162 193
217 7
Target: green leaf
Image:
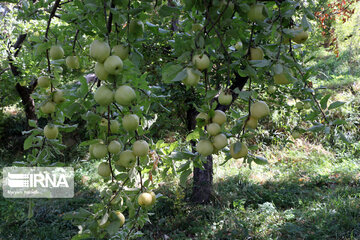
32 123
170 71
166 11
344 138
260 160
28 142
260 63
324 101
317 128
183 177
336 105
193 135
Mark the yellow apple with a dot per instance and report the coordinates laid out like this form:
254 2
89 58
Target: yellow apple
220 141
121 51
196 27
51 131
113 65
104 169
256 12
114 126
104 96
48 107
259 109
301 36
140 148
219 117
100 150
192 79
201 62
130 122
99 50
281 79
121 217
145 199
126 159
114 147
100 71
252 122
56 52
213 129
203 116
225 98
124 95
72 62
58 96
256 54
44 81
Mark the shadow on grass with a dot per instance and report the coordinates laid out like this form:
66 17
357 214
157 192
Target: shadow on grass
318 208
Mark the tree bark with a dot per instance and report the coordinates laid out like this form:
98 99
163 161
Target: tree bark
203 178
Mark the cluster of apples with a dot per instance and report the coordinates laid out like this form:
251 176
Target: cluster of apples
56 96
200 62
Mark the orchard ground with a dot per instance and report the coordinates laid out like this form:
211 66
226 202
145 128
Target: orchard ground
309 190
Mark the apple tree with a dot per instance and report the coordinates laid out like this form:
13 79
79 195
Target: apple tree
160 87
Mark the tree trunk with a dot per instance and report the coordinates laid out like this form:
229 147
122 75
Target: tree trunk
27 101
202 182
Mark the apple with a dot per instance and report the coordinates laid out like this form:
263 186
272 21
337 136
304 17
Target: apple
225 98
140 148
295 134
91 149
307 105
201 62
256 54
126 159
204 147
196 27
252 122
301 36
113 65
100 150
72 62
239 45
271 89
213 129
192 79
145 199
48 108
104 122
299 105
219 117
104 96
51 131
114 147
121 217
56 52
256 12
220 141
281 79
242 153
124 95
114 126
100 71
136 28
104 169
44 81
115 199
58 96
99 50
103 225
153 196
203 116
130 122
121 51
259 109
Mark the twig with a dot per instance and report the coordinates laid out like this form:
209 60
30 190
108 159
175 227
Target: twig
74 43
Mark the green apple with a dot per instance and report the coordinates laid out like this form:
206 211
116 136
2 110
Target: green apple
204 147
299 105
196 27
192 79
72 62
213 129
104 169
220 141
121 51
201 62
281 79
114 147
242 153
99 50
307 105
51 131
126 159
259 109
130 122
225 98
91 149
100 150
113 65
203 116
136 28
121 217
104 96
104 123
301 36
257 12
252 122
48 107
219 117
44 81
56 52
295 134
271 89
239 45
145 199
100 71
153 196
256 54
114 126
58 96
124 95
140 148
